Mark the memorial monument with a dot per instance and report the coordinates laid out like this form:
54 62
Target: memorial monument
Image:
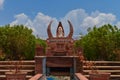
60 57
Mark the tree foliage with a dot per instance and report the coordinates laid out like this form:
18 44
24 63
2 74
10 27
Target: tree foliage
17 41
101 43
42 43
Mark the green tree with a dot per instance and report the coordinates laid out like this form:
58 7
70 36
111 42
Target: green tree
17 41
100 43
42 43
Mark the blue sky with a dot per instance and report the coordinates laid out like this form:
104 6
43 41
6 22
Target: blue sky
36 14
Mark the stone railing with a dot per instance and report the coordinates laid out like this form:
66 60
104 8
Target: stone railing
79 76
38 77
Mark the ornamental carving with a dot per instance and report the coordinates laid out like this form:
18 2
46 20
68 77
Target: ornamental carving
60 45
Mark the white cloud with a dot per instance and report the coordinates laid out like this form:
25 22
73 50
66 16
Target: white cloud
76 17
41 22
38 25
99 20
80 19
23 19
1 4
118 24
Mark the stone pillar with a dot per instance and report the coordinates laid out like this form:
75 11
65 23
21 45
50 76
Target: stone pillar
44 65
40 60
79 65
39 50
48 71
40 64
74 68
74 65
71 73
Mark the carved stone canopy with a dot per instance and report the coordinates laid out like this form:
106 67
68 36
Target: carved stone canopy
60 30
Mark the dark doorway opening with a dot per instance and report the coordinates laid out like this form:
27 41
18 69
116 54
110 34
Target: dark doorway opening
64 71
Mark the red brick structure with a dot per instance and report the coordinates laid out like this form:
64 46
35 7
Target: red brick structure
60 57
60 45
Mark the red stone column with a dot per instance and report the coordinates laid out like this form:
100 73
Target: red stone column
39 50
39 64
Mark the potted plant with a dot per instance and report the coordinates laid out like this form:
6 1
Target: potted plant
15 73
94 74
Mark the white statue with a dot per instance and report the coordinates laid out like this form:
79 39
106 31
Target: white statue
60 32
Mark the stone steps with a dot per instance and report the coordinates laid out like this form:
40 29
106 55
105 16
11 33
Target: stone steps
25 66
112 67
